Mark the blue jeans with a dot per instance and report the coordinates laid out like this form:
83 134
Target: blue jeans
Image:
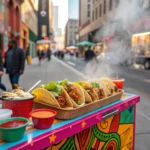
14 79
2 86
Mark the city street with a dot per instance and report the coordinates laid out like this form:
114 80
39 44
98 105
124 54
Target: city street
136 81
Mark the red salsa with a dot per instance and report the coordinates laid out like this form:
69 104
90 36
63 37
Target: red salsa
12 124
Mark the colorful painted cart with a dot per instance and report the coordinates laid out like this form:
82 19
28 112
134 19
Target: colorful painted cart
111 127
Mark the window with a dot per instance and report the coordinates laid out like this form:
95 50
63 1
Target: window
104 7
96 13
44 30
110 5
100 10
88 13
93 15
89 6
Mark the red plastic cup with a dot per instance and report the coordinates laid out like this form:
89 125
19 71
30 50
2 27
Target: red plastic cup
119 83
20 108
42 122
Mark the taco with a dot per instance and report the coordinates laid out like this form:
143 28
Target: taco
99 88
75 92
53 94
89 92
110 85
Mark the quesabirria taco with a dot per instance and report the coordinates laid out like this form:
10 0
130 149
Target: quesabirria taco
89 92
99 88
54 95
110 85
74 91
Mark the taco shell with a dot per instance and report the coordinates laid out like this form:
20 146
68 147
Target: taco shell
110 84
105 91
47 97
95 96
80 91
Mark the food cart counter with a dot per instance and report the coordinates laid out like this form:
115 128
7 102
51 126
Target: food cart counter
111 127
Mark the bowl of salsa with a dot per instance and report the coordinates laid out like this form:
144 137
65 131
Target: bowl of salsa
13 129
119 83
43 118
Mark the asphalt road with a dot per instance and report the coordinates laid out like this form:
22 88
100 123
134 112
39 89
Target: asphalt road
136 81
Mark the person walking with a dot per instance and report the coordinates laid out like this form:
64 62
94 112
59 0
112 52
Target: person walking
89 54
49 52
39 53
14 62
2 86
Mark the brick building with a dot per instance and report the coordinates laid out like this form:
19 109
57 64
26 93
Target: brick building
13 11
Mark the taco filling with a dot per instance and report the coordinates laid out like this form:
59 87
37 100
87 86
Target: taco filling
71 90
90 91
73 93
57 92
99 91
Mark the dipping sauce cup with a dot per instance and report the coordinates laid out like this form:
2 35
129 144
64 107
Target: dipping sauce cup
119 83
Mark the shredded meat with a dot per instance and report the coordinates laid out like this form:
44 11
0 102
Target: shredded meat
73 93
90 92
61 100
100 93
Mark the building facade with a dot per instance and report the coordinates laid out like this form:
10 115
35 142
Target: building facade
44 19
71 31
105 12
56 29
3 36
93 16
29 27
84 17
13 12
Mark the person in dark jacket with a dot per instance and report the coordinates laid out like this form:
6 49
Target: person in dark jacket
49 52
14 62
89 54
2 86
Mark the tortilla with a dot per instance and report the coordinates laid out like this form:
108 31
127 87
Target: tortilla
88 97
105 91
110 84
47 97
80 92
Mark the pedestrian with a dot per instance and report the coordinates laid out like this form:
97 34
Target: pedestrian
14 62
49 52
39 53
89 54
77 53
2 86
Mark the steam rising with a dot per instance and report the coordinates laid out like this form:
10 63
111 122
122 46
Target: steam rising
121 25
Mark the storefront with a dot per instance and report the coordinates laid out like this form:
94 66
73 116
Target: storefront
24 36
32 43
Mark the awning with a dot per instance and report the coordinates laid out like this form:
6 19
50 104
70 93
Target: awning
45 42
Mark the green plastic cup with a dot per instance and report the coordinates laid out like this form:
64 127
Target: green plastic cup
13 134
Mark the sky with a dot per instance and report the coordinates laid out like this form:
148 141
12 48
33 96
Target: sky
73 10
63 12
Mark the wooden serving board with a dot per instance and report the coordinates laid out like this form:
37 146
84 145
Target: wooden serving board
70 113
